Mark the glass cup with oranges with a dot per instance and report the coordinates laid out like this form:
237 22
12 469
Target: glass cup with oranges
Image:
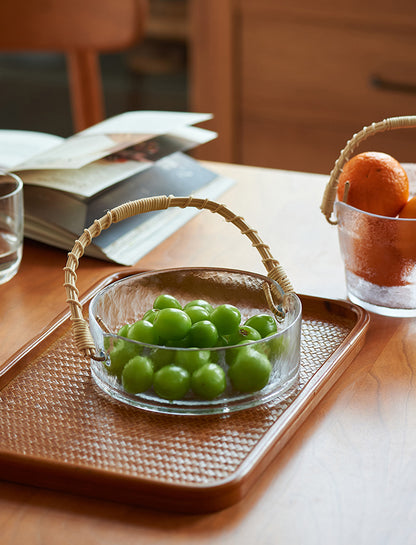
375 211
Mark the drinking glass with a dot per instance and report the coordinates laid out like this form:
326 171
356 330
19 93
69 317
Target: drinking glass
380 260
11 225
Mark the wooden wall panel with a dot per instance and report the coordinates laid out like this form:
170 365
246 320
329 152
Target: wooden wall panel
290 83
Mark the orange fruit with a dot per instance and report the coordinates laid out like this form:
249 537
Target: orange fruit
377 183
406 236
370 251
409 209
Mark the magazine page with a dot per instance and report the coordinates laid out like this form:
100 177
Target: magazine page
78 151
94 178
17 146
146 121
110 136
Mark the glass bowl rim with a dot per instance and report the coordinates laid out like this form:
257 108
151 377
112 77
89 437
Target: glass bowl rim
292 295
341 205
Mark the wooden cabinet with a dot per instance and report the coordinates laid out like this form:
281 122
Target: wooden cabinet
290 82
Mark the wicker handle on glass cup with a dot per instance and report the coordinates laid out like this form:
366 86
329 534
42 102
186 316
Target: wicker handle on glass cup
82 335
388 124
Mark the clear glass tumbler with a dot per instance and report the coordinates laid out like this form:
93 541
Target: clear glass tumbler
379 254
11 225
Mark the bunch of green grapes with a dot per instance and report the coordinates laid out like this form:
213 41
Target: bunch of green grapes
158 364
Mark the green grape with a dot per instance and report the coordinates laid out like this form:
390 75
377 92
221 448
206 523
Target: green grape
242 336
222 341
111 342
185 342
264 323
216 354
108 342
274 347
161 357
244 333
226 319
203 334
171 382
250 371
191 360
199 303
144 332
232 352
208 381
172 324
200 326
166 301
137 375
122 332
122 352
150 315
278 346
197 313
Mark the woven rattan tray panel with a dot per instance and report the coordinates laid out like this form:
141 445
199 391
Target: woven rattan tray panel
58 430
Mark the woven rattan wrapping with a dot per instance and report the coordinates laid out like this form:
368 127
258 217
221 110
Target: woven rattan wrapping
52 411
83 339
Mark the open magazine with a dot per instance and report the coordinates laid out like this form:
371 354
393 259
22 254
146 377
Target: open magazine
68 183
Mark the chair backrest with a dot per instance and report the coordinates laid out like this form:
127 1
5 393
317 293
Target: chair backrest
81 29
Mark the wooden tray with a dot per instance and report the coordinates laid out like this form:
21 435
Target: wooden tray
59 431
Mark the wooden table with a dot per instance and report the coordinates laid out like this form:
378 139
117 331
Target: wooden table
347 476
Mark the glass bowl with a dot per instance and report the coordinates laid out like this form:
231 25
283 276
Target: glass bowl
126 301
379 256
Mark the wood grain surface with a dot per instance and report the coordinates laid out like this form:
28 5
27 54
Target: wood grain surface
347 476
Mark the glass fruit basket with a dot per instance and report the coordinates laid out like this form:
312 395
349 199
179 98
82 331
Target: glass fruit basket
189 340
379 252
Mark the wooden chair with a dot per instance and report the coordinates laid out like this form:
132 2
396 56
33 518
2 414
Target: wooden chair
81 29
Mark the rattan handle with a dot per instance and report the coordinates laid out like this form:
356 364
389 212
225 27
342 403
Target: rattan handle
83 338
389 124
